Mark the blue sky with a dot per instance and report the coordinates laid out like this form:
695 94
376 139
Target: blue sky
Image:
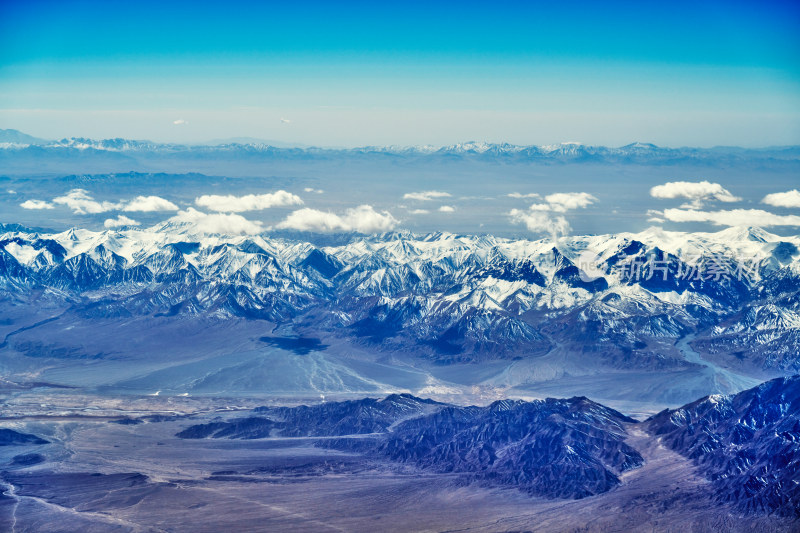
333 74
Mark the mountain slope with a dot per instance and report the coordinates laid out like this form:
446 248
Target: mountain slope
747 444
556 448
15 137
327 419
525 308
745 448
246 149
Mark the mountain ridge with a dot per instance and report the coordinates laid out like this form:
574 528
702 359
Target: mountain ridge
746 445
439 299
12 140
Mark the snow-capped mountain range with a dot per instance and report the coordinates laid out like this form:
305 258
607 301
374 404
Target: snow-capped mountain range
649 301
14 142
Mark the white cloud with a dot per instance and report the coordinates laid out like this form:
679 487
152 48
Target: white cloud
11 191
36 204
520 195
419 211
783 199
733 217
562 202
82 203
362 219
226 224
541 218
285 120
425 196
250 202
447 209
180 122
150 203
313 220
694 204
698 191
312 189
121 220
656 220
541 222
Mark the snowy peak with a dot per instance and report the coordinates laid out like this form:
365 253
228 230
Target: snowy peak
746 233
17 143
450 298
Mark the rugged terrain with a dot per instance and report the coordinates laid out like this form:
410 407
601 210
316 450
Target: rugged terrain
425 314
405 464
404 381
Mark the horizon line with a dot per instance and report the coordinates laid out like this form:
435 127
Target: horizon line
292 145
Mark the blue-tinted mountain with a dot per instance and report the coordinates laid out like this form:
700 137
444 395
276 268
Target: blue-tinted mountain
747 444
445 298
556 448
352 417
10 437
23 146
19 138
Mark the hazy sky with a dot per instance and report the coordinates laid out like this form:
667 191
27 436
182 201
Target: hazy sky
344 74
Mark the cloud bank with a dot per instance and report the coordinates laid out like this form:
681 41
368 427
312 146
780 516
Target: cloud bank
520 195
732 217
361 219
541 222
696 191
250 202
82 203
36 204
120 221
562 202
542 218
150 203
226 224
783 199
425 196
